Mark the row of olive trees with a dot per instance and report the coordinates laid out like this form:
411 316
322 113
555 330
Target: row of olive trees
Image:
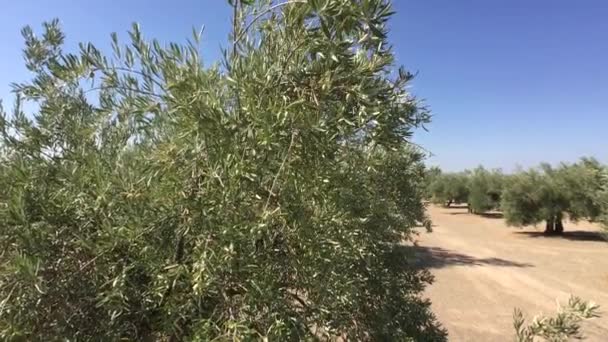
545 194
480 188
146 197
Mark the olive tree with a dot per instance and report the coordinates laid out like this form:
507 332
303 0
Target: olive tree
485 188
448 188
146 196
582 182
430 175
551 194
601 198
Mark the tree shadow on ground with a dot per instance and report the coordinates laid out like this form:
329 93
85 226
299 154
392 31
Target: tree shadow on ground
456 206
484 215
575 235
437 257
492 215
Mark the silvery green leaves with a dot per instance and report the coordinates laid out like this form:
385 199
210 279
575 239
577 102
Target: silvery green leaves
485 190
601 199
265 198
245 2
551 194
564 326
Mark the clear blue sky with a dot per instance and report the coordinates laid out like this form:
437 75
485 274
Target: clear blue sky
509 82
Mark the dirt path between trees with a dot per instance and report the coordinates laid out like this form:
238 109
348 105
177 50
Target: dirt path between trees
484 269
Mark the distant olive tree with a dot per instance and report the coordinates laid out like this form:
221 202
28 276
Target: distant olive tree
146 197
430 175
551 194
601 199
485 189
449 188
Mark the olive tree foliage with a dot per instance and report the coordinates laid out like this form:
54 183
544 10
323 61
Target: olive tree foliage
562 327
582 182
449 188
147 197
552 194
430 175
602 199
485 189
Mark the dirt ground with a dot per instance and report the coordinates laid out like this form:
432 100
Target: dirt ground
484 269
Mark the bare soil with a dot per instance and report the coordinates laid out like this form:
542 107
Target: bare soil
484 269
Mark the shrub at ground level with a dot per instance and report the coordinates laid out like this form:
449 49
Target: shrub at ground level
564 326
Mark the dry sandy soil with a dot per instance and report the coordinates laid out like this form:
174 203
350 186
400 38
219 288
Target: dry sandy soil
483 269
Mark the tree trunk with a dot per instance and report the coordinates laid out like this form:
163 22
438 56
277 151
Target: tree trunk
448 204
554 225
559 226
549 227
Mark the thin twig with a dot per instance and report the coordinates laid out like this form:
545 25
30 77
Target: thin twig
143 74
143 92
7 298
236 32
283 67
431 154
110 249
276 177
133 71
269 9
298 299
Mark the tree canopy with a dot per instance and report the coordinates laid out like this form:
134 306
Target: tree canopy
485 189
552 193
601 199
448 188
547 193
148 197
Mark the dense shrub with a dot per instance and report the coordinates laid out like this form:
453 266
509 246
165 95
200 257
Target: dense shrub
147 197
